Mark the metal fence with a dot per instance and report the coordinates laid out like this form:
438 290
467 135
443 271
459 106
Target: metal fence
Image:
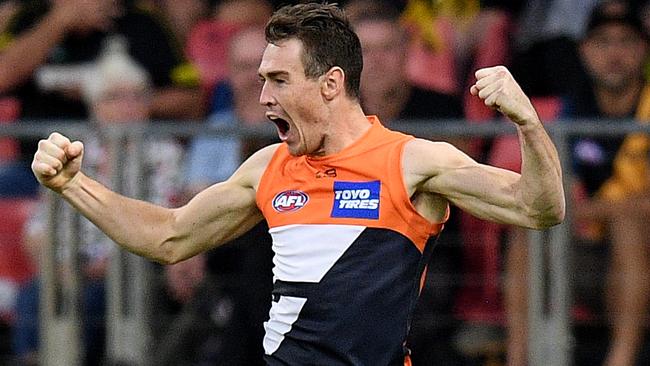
128 341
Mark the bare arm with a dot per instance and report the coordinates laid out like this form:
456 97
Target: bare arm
216 215
30 50
534 198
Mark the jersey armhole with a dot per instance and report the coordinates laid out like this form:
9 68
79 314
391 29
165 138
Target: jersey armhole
262 188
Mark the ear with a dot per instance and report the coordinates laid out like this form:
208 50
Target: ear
333 83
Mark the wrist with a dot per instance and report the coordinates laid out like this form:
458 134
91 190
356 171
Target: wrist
73 185
528 123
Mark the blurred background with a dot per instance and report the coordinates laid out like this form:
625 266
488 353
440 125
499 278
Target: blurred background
164 95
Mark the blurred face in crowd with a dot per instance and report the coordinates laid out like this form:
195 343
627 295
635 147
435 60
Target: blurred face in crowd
614 55
244 11
243 60
122 104
183 278
383 43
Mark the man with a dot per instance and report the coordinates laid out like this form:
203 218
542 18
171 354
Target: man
118 93
49 45
613 173
385 88
612 272
349 203
387 92
234 103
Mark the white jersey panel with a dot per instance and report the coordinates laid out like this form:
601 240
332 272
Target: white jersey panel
281 317
305 253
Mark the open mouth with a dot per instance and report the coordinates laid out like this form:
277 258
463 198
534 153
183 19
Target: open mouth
281 124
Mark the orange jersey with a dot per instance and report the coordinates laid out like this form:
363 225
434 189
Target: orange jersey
348 247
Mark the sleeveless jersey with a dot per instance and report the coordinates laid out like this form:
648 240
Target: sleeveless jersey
348 246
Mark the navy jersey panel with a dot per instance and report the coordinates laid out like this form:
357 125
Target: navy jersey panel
358 313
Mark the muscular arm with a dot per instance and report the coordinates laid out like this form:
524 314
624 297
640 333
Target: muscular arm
216 215
533 199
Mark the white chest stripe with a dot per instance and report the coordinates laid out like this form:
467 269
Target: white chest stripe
305 253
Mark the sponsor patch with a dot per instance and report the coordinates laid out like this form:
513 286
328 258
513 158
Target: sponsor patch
356 200
291 200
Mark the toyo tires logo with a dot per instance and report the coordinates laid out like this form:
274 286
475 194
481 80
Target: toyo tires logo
291 200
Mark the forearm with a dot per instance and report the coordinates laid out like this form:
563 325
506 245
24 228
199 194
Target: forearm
137 226
19 60
541 187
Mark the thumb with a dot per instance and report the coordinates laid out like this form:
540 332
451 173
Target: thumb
74 150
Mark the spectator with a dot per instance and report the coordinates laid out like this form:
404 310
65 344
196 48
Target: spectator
546 41
613 183
195 318
387 92
213 159
118 91
247 261
209 40
46 50
183 15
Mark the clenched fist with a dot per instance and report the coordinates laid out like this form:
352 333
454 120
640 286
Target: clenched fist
57 161
499 90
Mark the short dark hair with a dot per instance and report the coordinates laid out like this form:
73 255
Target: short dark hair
615 12
327 38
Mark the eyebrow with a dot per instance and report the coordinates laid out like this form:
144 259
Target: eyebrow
273 74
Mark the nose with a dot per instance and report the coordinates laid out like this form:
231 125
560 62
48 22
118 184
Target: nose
266 97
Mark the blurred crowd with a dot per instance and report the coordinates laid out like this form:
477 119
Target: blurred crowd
117 63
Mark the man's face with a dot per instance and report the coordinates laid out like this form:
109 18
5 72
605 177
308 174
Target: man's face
384 49
614 55
293 102
244 58
122 104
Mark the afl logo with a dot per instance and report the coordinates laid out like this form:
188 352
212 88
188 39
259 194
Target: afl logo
290 201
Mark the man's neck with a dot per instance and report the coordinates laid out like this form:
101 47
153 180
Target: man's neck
344 127
618 103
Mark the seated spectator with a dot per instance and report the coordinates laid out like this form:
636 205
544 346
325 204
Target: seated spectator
235 102
118 91
183 15
387 92
545 40
46 50
193 318
242 269
208 43
612 259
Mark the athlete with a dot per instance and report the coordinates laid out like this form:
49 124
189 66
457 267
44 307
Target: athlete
350 204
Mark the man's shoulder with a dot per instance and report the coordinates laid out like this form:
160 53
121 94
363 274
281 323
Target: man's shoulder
425 157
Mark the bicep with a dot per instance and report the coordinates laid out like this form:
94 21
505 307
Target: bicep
216 215
222 211
484 191
481 190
